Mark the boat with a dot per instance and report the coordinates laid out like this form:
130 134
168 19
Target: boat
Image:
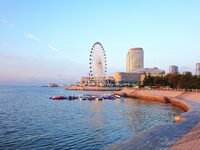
84 98
57 97
111 98
90 98
99 99
117 96
72 97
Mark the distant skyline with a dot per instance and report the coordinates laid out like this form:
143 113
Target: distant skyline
49 41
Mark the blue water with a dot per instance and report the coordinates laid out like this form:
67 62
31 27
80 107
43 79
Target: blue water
29 120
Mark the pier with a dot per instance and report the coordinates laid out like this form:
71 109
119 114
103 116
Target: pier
93 88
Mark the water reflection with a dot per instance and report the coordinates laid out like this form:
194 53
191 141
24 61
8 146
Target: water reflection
97 119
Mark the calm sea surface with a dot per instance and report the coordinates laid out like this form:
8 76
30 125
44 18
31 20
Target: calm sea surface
29 120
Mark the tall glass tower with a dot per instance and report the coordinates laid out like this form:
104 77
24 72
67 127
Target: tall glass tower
134 59
173 69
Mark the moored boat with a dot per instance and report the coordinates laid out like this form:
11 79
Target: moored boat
117 96
84 98
89 97
72 97
57 97
99 99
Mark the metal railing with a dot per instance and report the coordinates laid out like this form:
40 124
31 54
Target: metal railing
179 90
167 89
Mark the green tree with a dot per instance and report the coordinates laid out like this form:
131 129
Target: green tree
173 80
148 80
186 81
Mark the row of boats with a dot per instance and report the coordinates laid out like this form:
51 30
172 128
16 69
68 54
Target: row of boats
87 97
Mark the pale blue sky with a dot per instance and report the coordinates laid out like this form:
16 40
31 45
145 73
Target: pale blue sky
49 40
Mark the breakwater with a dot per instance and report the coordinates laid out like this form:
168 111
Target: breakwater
93 88
155 95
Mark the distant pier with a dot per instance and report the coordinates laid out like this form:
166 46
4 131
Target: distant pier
93 88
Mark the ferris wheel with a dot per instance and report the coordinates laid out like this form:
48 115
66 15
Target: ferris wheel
97 64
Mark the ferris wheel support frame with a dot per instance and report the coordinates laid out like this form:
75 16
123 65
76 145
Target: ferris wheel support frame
97 59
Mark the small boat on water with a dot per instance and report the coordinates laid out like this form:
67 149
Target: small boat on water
117 96
111 98
57 97
99 99
91 98
85 97
72 97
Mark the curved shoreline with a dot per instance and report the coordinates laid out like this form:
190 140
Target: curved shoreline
165 99
164 136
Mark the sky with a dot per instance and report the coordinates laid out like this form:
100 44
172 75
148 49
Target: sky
50 40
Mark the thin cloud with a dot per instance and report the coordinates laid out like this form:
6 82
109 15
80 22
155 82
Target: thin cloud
53 48
15 57
3 21
68 58
73 60
11 25
31 36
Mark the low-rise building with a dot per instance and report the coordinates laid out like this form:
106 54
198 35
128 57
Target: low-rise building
153 70
84 80
127 77
110 80
53 85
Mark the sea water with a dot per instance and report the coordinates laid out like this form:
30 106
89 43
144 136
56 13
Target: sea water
30 120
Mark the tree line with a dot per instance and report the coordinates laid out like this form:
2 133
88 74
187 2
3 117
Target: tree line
175 81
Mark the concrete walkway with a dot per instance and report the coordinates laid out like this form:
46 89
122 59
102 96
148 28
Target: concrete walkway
184 135
190 141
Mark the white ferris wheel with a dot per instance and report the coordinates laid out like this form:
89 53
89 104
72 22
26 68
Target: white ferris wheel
97 64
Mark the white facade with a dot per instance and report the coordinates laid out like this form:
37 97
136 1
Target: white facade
84 80
173 69
134 59
154 71
198 69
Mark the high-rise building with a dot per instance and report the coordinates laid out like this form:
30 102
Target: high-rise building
134 59
173 69
198 69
